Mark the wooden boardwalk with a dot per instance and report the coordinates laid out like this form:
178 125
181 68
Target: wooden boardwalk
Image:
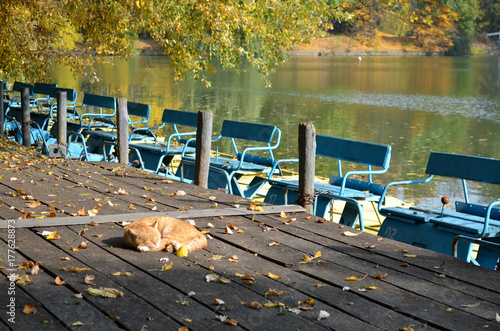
274 272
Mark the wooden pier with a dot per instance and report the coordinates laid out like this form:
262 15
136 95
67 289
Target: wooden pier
272 269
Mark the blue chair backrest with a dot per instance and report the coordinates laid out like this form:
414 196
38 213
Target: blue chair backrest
100 101
138 109
178 117
43 88
473 168
248 131
70 93
353 151
18 86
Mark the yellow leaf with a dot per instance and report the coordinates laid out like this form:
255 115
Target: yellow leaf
318 254
410 255
273 276
255 208
255 305
307 259
167 266
306 305
118 273
352 278
283 215
29 309
105 292
183 251
59 281
53 236
371 287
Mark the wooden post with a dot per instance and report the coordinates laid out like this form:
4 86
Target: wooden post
25 116
62 117
122 124
307 158
203 147
2 110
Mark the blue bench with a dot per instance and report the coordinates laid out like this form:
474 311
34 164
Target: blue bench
340 186
71 96
41 101
15 94
437 229
104 110
225 172
157 156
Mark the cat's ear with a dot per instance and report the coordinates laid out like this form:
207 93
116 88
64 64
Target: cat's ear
132 232
157 223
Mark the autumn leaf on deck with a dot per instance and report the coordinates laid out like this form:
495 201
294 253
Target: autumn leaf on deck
219 301
29 309
167 266
323 314
379 276
89 279
308 259
105 292
255 305
255 208
354 278
351 234
52 236
59 281
405 265
306 305
248 279
93 212
180 192
211 278
228 230
273 276
33 204
283 215
410 255
233 258
81 212
273 244
231 226
35 269
273 292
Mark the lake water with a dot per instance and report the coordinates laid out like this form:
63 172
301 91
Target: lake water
415 104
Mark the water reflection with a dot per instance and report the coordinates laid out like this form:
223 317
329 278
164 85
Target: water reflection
415 104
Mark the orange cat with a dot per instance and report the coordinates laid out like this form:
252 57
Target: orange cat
163 232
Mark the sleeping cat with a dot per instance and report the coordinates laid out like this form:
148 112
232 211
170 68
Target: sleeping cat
163 232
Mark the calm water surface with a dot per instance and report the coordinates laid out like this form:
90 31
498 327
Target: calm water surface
415 104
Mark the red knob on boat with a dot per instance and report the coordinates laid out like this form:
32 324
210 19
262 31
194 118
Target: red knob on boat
445 200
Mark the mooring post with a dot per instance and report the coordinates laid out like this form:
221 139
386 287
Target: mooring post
2 110
203 147
25 116
122 119
307 157
62 117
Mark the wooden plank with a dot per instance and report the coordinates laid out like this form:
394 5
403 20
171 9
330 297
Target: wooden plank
338 267
133 311
189 276
28 223
42 319
54 298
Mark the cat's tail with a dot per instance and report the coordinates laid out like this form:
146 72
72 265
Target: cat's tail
198 243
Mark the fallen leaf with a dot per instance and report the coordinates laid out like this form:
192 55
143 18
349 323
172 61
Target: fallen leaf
89 279
351 234
323 314
497 317
182 251
105 292
59 281
35 269
283 215
167 266
29 309
379 276
211 277
273 292
219 301
255 305
224 280
228 230
121 191
352 278
306 305
83 232
53 236
231 321
273 276
405 265
320 285
255 208
83 245
118 273
472 305
318 254
441 275
410 255
33 204
273 244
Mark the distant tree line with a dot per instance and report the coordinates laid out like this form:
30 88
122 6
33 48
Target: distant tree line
434 25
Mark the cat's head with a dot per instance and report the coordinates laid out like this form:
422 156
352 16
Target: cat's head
145 238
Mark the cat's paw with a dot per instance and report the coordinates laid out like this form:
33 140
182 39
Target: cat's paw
176 245
143 248
169 248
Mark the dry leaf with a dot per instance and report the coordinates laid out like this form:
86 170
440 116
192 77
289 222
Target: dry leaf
306 305
219 301
283 215
231 321
167 266
228 230
211 277
53 236
273 276
59 281
323 314
307 259
441 275
497 317
33 204
410 255
29 309
255 208
105 292
405 265
35 269
89 279
83 232
83 245
273 292
273 244
379 276
350 234
121 191
352 278
255 305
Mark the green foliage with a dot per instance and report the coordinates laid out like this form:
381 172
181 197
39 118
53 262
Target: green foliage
194 33
468 11
477 51
461 46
